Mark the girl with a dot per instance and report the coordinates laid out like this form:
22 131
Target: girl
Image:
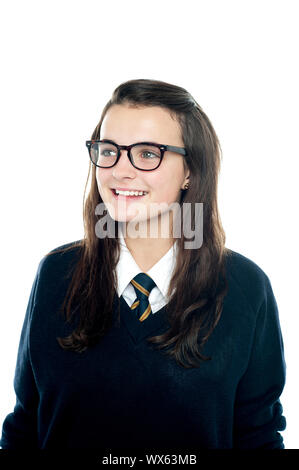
137 338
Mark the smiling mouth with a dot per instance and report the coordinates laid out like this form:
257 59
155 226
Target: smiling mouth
128 194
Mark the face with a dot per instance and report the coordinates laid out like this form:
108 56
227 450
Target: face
126 125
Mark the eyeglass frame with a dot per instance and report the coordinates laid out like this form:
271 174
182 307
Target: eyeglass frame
163 148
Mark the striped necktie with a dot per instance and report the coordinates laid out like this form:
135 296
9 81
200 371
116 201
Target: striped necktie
143 284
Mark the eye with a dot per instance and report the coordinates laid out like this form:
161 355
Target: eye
148 154
108 153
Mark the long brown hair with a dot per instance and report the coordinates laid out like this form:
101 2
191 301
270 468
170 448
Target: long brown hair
192 312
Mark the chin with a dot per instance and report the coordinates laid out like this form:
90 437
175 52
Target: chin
119 216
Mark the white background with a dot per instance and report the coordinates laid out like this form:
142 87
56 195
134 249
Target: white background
60 62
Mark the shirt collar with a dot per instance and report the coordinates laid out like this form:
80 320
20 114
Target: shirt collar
127 268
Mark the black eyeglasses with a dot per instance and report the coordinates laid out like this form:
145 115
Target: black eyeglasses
145 156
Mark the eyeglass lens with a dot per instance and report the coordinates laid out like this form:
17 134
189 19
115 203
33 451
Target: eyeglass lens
145 157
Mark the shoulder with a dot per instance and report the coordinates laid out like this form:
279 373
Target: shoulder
248 282
245 269
59 262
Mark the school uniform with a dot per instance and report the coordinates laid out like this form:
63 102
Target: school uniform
124 392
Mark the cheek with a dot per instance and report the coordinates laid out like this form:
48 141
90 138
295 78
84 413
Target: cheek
167 185
102 178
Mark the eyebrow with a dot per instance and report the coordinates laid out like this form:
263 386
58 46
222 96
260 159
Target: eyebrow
137 141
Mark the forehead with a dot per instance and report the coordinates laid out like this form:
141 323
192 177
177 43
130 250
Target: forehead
126 124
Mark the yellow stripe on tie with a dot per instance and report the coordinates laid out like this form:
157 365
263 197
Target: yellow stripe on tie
140 288
135 304
145 314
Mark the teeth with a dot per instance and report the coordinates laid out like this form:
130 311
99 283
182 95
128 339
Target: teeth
130 193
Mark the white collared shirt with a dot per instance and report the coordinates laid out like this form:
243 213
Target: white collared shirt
161 273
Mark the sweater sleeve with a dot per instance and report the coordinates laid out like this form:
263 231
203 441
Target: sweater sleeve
258 411
20 427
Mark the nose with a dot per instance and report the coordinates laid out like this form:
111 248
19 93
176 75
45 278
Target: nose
123 168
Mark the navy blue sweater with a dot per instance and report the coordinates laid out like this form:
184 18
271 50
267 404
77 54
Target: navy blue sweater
125 393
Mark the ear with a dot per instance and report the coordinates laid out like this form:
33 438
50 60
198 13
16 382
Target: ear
187 174
186 182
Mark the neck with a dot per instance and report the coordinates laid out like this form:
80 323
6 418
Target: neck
147 243
147 251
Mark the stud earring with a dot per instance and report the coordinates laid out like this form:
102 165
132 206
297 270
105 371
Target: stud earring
186 186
